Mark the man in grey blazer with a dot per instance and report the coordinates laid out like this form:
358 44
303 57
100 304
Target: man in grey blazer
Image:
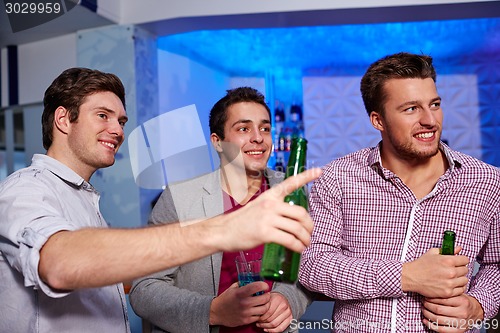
200 296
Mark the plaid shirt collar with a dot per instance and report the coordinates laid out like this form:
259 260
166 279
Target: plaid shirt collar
375 161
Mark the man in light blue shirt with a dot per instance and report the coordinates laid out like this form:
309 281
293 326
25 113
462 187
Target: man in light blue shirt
61 268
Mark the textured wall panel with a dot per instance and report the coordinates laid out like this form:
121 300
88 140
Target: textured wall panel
337 124
461 124
334 117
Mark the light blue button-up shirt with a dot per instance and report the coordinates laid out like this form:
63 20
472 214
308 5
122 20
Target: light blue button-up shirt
35 203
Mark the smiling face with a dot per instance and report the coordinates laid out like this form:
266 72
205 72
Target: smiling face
411 122
90 142
247 135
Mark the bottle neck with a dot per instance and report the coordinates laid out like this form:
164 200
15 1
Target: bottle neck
297 159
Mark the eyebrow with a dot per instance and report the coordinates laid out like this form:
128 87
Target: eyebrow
247 121
104 108
405 104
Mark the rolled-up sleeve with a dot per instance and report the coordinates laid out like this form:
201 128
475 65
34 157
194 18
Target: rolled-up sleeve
30 215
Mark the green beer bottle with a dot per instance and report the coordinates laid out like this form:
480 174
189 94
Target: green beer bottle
448 246
278 262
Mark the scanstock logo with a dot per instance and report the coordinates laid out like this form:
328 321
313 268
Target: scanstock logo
24 14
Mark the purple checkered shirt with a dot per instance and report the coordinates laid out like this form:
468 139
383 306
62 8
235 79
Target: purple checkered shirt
368 223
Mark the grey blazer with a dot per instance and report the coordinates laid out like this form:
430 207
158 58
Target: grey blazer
178 300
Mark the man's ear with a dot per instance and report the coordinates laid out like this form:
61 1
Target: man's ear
216 142
377 121
61 119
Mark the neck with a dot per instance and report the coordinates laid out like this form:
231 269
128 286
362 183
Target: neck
65 158
239 184
420 175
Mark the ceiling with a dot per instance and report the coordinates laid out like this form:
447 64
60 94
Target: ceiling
339 20
78 18
252 52
289 44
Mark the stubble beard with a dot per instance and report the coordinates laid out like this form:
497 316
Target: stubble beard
407 151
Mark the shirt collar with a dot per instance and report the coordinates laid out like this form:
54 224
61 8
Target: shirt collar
231 205
57 168
454 160
375 160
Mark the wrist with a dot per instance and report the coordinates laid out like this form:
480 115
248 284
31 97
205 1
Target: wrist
207 233
477 312
216 233
406 281
213 319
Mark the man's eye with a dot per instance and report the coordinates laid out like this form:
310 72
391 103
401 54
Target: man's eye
102 115
265 129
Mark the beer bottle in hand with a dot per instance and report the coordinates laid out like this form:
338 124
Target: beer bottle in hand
278 262
448 246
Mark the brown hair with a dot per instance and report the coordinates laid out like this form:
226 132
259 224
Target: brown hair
218 114
397 66
70 89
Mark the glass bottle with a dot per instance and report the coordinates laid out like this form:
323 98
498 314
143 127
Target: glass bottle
282 141
279 166
278 262
448 246
279 113
295 113
288 138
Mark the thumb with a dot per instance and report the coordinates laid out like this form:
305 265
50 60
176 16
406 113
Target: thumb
234 285
254 287
458 249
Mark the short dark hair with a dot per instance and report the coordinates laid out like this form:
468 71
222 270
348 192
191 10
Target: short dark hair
397 66
218 114
70 89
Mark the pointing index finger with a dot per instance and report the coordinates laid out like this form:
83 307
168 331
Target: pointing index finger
292 183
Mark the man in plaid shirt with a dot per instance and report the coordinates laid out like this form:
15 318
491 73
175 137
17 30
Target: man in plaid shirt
380 214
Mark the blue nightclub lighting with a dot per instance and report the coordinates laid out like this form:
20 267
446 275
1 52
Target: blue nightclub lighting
252 52
290 53
465 47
